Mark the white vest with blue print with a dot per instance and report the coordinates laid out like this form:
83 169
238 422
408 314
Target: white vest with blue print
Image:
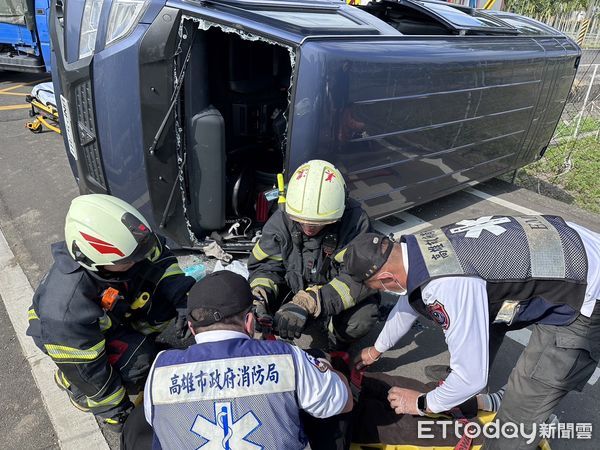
537 262
236 394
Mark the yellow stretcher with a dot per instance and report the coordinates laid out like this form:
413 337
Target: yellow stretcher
43 115
484 417
43 109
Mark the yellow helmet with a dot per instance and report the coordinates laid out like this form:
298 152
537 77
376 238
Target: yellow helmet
316 193
101 230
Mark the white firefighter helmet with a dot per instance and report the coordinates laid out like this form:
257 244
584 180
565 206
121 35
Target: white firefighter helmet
101 230
316 193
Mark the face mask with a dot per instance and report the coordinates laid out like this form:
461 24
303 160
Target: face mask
400 291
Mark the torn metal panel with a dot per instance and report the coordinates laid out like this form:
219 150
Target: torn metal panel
179 140
204 25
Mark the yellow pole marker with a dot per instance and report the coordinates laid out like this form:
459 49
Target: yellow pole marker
489 4
585 25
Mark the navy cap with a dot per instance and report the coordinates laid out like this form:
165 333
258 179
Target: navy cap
222 294
365 255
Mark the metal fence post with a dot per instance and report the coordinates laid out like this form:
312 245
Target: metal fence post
585 101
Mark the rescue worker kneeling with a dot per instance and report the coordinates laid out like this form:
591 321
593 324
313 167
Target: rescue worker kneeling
113 287
231 390
299 258
478 279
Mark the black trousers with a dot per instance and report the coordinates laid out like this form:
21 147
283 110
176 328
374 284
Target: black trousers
129 353
354 323
137 433
332 433
345 328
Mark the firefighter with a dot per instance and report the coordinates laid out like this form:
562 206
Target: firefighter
230 390
493 273
296 267
113 287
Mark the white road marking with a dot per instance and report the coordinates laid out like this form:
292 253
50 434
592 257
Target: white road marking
595 377
74 429
410 224
501 202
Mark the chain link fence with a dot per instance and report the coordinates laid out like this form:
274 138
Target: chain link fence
566 172
581 117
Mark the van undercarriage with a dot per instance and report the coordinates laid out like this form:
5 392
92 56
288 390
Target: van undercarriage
231 124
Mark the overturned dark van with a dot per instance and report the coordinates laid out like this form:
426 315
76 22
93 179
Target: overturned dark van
188 109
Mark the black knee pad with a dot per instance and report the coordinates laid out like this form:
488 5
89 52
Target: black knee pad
357 321
132 355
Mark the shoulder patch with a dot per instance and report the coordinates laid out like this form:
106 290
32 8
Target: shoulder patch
439 314
320 365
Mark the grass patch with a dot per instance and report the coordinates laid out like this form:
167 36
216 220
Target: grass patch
567 129
576 181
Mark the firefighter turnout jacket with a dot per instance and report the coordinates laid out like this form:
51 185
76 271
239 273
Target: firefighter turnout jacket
68 323
285 256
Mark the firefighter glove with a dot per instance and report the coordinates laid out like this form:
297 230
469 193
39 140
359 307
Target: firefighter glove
309 300
290 320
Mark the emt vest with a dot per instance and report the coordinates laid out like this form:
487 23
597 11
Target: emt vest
232 394
537 263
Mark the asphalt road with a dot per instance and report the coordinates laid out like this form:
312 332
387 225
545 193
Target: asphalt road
36 187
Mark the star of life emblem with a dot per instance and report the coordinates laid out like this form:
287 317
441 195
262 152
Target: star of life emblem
474 228
225 433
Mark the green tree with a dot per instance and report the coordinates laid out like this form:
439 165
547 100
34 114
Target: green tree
545 7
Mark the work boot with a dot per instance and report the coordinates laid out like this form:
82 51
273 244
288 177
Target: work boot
61 381
64 385
437 372
115 423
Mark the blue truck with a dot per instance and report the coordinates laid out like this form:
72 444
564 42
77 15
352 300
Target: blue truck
24 35
189 109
